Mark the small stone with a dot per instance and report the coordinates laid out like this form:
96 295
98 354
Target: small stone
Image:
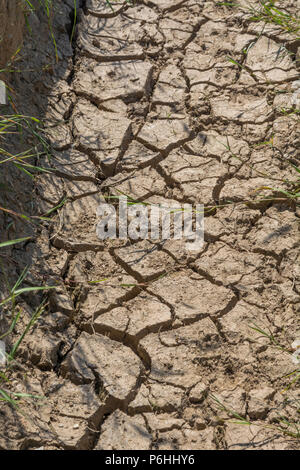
258 406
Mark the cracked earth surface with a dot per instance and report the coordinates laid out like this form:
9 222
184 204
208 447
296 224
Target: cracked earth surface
146 103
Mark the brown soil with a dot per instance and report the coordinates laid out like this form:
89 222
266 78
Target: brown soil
145 102
11 29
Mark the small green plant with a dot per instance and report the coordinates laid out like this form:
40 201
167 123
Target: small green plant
74 22
292 192
274 342
23 128
283 425
269 13
286 426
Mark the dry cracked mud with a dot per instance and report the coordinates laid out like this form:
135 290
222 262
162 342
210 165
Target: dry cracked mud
145 102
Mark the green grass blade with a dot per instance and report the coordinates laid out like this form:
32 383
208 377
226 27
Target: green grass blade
13 242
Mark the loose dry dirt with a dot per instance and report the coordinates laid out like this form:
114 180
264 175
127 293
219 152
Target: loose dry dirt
145 102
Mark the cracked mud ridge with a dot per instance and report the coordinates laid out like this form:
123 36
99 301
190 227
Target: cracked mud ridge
146 103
